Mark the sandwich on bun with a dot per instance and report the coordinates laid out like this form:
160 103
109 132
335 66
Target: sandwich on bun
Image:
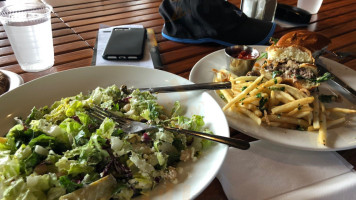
291 58
295 64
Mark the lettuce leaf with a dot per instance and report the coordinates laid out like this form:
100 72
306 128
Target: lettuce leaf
36 114
106 128
195 123
73 167
9 165
18 190
69 185
51 130
177 109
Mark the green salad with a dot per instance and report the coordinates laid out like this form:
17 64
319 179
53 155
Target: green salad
60 152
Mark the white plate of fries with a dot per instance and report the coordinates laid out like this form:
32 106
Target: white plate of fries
268 110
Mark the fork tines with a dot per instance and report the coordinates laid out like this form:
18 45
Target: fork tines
127 125
101 114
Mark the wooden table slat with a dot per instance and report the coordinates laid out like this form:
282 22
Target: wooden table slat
113 7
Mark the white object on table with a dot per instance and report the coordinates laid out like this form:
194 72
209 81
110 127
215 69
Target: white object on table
268 171
15 79
259 9
30 36
339 187
103 37
311 6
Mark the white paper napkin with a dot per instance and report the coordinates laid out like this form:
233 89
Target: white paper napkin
268 171
341 187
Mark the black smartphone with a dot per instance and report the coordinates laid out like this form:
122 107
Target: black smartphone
125 44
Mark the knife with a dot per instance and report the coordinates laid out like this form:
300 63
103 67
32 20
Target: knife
154 51
347 91
189 87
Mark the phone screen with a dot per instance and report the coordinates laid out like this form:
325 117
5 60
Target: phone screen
125 44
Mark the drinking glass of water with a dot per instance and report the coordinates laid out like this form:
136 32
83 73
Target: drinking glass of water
28 28
311 6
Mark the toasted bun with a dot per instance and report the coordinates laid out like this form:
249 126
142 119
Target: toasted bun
308 39
294 52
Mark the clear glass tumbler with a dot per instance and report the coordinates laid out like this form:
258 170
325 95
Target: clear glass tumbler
311 6
259 9
28 28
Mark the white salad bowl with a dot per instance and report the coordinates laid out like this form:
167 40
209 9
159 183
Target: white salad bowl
195 176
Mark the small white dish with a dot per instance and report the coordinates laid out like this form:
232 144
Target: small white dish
15 79
341 138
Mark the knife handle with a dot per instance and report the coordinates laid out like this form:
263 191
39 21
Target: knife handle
190 87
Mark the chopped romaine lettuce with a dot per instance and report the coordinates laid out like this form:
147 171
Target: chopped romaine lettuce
106 128
61 148
69 185
177 109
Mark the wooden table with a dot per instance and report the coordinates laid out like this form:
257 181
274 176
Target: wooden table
75 24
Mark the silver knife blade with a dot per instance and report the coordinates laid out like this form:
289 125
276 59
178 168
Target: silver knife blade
347 91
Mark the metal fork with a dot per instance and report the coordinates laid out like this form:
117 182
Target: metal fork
130 126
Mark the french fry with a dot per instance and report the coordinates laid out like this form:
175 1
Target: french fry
256 102
322 129
322 107
305 108
341 110
243 94
301 114
284 97
253 98
335 122
309 118
291 105
245 78
266 117
293 112
295 92
266 85
239 86
249 114
290 120
316 123
249 106
227 94
258 113
273 100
